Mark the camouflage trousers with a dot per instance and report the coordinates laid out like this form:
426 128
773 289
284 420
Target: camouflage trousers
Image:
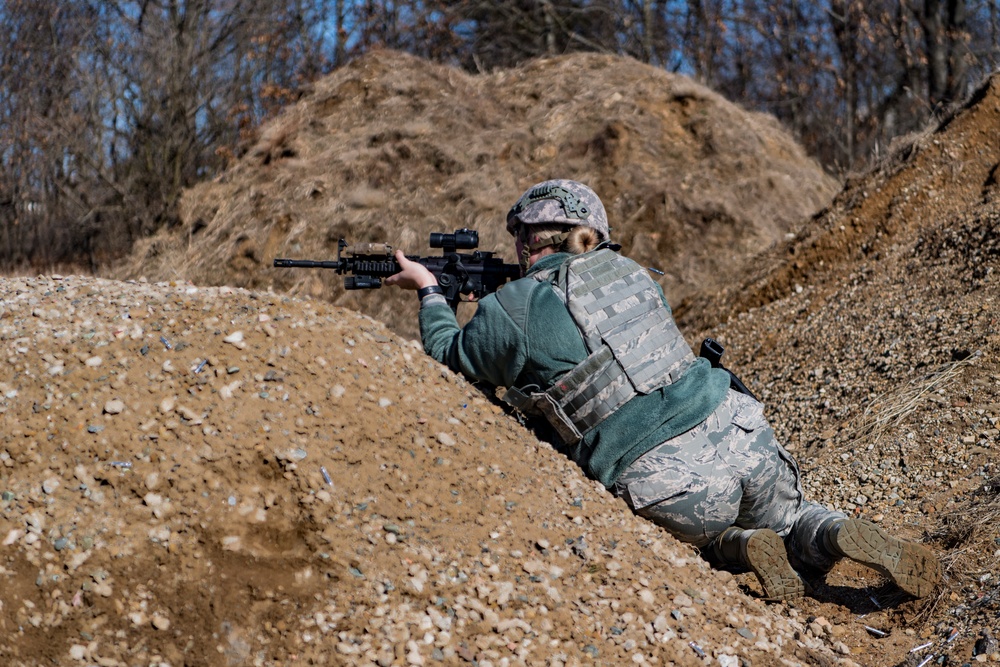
729 470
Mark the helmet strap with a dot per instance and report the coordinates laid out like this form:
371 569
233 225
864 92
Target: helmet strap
528 248
555 239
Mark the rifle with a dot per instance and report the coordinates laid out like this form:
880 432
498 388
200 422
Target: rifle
478 273
712 350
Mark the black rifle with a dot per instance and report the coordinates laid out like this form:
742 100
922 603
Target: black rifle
477 274
713 351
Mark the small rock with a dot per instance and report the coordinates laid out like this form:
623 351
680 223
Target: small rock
114 407
446 439
189 415
236 339
683 600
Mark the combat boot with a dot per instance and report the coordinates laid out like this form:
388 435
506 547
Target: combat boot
913 568
762 552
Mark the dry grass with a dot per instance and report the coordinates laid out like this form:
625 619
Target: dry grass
889 410
970 561
968 532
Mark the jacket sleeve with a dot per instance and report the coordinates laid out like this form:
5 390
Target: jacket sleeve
490 347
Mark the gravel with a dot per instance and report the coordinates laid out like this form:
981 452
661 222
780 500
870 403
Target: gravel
214 476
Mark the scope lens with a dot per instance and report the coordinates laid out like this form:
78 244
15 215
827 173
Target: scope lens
463 239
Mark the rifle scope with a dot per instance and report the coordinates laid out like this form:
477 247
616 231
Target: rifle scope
462 239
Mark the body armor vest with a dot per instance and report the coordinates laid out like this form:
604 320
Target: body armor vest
633 342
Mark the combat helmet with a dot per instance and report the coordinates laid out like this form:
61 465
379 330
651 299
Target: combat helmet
560 202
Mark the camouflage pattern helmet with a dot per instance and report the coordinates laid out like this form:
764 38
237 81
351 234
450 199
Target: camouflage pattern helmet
559 202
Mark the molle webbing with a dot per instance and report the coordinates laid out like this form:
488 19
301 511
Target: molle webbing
615 303
635 346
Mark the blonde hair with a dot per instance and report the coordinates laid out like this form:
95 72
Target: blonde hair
581 240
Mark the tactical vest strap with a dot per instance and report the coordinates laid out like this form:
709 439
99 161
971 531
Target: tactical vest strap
635 345
581 399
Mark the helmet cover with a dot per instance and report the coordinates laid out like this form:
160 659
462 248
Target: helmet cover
560 202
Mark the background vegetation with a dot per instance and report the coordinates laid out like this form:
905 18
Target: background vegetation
110 108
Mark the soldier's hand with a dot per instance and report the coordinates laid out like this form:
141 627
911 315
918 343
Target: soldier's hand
412 275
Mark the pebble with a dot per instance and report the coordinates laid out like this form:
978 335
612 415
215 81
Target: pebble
236 339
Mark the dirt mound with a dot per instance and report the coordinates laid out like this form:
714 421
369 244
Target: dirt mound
391 148
927 181
873 337
209 476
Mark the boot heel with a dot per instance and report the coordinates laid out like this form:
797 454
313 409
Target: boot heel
766 557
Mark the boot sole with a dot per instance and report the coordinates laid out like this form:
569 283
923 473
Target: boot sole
911 567
767 559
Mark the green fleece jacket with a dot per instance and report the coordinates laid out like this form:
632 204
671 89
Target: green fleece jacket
494 349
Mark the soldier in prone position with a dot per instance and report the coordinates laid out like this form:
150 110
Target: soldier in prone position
586 341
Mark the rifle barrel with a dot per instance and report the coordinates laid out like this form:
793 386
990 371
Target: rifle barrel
305 264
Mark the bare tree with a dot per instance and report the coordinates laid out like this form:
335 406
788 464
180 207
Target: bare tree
507 33
43 130
946 42
113 107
